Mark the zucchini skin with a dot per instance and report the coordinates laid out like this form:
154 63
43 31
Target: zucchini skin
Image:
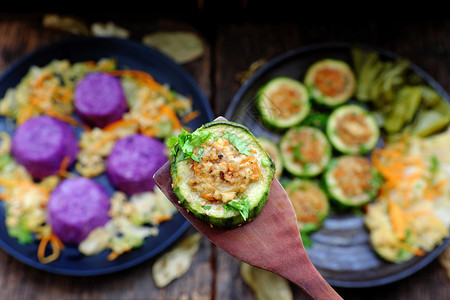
236 219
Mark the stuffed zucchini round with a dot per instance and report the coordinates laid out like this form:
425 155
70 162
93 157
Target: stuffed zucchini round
352 180
283 102
220 173
331 82
310 203
305 151
352 129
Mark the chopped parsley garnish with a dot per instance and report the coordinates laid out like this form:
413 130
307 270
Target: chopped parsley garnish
187 142
240 145
434 166
243 207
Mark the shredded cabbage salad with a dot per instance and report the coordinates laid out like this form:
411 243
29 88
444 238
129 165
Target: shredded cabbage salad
154 110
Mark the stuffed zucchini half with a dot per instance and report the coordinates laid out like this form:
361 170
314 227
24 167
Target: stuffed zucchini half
283 102
352 180
310 203
221 173
352 129
331 82
305 151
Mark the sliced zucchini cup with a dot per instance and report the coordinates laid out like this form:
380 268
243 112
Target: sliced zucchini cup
352 129
221 174
283 102
310 203
305 151
330 82
351 180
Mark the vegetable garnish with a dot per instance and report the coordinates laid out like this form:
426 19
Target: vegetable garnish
187 141
242 206
56 246
240 145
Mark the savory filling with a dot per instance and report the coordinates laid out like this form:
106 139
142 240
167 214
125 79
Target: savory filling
352 129
285 101
353 175
308 201
330 82
307 148
223 173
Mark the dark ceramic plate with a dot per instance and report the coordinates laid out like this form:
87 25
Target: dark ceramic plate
341 249
129 55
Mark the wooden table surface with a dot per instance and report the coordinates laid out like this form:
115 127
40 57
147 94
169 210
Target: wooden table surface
232 44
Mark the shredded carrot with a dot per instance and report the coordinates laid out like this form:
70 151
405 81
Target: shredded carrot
397 219
152 131
190 116
168 111
118 124
113 255
61 117
412 249
160 219
56 246
64 166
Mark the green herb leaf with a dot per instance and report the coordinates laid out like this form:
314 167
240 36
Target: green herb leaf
434 166
243 207
307 242
206 207
187 142
20 232
240 145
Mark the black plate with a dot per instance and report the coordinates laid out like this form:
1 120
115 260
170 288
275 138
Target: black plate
129 55
341 249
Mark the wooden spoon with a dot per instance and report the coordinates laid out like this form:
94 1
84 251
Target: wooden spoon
271 241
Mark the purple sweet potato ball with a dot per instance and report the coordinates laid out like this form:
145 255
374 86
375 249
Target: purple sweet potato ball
99 99
41 143
133 161
76 207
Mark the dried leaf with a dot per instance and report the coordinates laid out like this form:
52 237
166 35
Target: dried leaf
65 23
243 76
266 285
109 30
181 46
444 260
176 262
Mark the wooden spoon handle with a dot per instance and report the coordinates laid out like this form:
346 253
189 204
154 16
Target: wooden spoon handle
303 274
